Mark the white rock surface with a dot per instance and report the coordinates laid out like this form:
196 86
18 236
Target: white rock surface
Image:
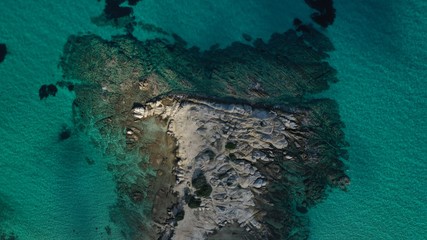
202 131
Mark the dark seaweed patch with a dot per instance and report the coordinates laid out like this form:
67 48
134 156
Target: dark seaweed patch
3 51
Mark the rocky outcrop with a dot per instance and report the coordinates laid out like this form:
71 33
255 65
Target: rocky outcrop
47 90
221 148
201 149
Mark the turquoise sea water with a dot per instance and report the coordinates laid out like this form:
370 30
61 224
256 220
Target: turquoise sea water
381 58
49 191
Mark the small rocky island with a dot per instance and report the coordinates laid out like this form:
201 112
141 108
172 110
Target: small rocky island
211 144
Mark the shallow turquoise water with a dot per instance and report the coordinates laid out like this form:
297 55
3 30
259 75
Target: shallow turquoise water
49 190
381 58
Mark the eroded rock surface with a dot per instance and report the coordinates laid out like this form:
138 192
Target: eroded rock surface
226 144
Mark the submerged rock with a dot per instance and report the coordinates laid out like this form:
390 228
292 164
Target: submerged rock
113 9
65 133
3 52
47 90
247 37
291 68
326 12
117 14
65 84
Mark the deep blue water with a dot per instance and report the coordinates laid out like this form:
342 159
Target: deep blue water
49 191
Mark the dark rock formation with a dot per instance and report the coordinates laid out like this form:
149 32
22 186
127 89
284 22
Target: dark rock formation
116 15
247 37
133 2
65 84
325 14
65 133
3 51
285 67
108 230
113 10
47 90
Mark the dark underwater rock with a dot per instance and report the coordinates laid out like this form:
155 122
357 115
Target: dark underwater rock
116 15
47 90
65 133
285 67
66 84
302 209
108 230
247 37
133 2
3 52
299 26
113 10
326 12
